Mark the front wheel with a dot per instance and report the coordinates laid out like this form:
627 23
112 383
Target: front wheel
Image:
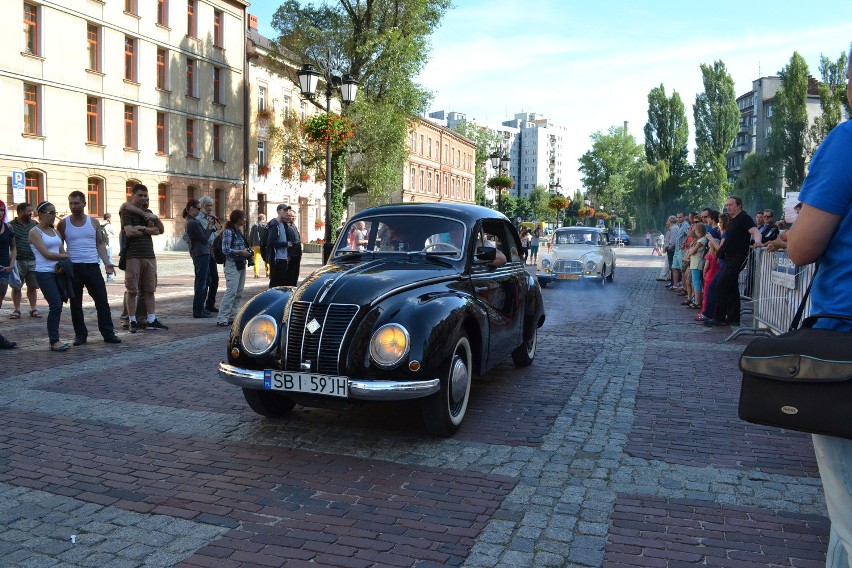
611 276
525 353
543 282
268 403
444 411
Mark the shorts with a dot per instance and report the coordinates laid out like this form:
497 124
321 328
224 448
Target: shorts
141 275
696 279
26 268
4 277
677 260
534 249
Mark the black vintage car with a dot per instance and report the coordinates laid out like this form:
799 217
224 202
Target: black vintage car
415 300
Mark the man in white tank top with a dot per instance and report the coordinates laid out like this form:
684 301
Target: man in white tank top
84 244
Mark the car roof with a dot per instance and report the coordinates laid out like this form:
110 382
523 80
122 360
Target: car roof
463 212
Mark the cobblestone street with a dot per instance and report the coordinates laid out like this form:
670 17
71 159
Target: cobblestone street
620 446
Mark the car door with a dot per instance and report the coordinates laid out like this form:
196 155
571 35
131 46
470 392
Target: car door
498 289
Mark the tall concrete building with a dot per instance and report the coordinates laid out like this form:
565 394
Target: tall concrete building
756 109
119 93
533 143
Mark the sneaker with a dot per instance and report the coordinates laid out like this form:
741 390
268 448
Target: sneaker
156 324
212 309
668 286
6 344
134 327
111 339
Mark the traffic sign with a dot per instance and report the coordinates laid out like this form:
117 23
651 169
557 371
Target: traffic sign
18 186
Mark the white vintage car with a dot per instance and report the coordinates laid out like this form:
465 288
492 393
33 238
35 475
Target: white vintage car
577 253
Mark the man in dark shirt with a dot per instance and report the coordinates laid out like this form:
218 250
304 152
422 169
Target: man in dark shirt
734 253
768 231
138 224
21 226
294 248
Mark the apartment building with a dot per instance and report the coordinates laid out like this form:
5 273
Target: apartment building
276 173
756 109
119 92
440 165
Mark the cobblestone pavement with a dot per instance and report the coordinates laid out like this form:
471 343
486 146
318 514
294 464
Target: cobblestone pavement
620 446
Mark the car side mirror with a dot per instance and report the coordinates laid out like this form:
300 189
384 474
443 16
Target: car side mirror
484 255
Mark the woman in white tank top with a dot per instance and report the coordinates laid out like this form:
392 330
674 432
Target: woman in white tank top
47 248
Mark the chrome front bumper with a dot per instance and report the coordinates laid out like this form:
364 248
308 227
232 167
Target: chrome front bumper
358 389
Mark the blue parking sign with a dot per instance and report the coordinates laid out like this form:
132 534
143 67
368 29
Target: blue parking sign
18 186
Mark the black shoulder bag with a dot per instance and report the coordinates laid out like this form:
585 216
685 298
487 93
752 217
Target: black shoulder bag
800 380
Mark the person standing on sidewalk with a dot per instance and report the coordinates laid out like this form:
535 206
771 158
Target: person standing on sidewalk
199 250
21 226
257 240
8 253
821 232
276 248
236 253
294 248
209 223
47 249
107 234
82 236
138 224
734 251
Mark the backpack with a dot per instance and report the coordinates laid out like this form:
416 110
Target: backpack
218 255
104 235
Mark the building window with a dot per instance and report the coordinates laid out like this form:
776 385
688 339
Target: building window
413 179
190 137
429 183
261 203
421 181
129 126
217 143
93 47
304 111
130 6
96 196
163 12
162 132
34 187
261 98
217 28
286 104
191 26
162 69
31 108
191 191
190 77
437 184
31 30
129 58
217 85
219 203
163 200
93 122
261 153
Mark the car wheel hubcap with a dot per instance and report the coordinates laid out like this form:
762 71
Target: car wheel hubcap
458 384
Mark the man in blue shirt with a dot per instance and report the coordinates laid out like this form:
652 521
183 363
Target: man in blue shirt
822 232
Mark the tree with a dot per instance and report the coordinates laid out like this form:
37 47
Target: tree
609 168
789 141
666 138
717 119
484 139
832 97
538 200
756 184
384 45
651 211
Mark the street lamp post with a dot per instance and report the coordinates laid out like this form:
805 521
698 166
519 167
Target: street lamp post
308 80
500 163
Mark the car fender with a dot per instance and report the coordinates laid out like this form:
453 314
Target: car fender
533 307
272 302
432 318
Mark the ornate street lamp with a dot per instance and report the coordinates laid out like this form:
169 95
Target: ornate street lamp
308 80
500 163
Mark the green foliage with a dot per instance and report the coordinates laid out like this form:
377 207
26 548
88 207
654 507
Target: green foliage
328 128
610 167
666 132
757 184
717 119
384 45
501 182
651 211
339 200
538 199
832 97
789 143
506 204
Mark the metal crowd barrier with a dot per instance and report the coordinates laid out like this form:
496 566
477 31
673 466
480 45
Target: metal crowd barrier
771 289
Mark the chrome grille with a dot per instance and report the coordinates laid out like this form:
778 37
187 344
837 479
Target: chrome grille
321 348
568 267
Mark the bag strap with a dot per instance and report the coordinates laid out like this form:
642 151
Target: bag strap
798 317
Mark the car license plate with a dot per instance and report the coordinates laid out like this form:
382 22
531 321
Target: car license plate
567 276
305 382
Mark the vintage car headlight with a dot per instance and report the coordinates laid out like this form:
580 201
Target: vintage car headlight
259 335
591 265
389 344
545 264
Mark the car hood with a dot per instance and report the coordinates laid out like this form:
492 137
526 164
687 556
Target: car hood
575 251
361 282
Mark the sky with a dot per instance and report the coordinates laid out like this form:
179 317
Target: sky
590 64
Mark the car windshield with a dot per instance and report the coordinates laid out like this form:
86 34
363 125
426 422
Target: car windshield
403 233
576 238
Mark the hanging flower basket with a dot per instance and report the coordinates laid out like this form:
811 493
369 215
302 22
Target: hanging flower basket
319 224
304 176
329 128
263 171
264 114
501 182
